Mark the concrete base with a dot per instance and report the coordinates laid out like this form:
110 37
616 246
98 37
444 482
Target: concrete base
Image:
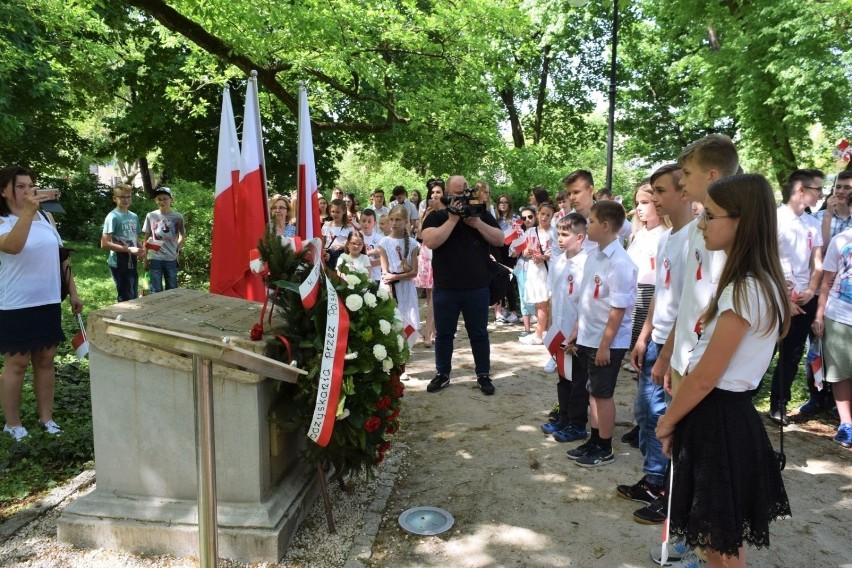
247 532
143 414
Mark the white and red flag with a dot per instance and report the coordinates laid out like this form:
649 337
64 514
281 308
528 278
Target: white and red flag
80 342
226 271
843 150
308 221
253 216
513 233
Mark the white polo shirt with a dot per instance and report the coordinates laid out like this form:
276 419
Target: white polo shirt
702 269
797 238
609 281
838 259
753 354
643 252
671 259
564 280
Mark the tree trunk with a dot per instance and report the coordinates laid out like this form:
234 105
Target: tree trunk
507 95
542 93
145 174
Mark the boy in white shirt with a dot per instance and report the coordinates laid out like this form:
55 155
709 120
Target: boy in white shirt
607 296
650 401
800 246
565 277
371 239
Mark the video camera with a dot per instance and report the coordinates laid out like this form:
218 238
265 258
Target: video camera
470 206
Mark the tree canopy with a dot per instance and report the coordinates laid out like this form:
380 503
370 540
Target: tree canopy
503 89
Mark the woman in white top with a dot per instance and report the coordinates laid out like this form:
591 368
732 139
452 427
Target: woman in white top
30 303
727 485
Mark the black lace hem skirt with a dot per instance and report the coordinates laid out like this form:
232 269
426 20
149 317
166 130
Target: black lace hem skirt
31 329
727 485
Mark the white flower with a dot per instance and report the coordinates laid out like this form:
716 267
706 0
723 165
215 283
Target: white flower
396 315
399 342
382 293
352 280
350 356
354 302
384 326
397 325
370 300
387 365
379 352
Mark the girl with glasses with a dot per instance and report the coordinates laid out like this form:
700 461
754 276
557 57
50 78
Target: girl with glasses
529 221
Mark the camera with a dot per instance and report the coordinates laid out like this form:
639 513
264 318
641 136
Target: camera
470 206
51 192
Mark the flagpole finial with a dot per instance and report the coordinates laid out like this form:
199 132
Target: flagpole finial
253 74
301 84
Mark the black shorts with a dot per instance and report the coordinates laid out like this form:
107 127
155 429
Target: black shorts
30 329
600 380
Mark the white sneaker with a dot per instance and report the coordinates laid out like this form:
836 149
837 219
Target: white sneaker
550 366
530 339
51 428
513 318
17 432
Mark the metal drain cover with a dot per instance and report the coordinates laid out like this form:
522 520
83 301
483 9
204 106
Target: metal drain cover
426 520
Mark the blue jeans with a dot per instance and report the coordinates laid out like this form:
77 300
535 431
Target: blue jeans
159 269
472 303
650 404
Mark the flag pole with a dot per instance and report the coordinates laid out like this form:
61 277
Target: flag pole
256 109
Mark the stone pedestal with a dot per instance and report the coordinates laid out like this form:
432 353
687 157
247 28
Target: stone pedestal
145 452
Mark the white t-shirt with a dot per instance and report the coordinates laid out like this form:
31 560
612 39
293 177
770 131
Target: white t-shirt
335 235
609 281
753 354
797 238
671 257
371 242
643 253
361 263
838 259
564 280
702 269
31 277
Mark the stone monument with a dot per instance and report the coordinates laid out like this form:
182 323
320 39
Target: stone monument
145 450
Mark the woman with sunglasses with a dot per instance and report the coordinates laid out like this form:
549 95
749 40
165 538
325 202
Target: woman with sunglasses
506 219
528 220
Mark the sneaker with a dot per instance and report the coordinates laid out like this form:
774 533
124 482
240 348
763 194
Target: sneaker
676 550
51 428
523 334
550 366
485 385
642 491
501 319
553 427
531 339
570 434
439 382
810 408
17 432
581 450
689 560
512 318
632 437
844 435
597 457
653 513
778 418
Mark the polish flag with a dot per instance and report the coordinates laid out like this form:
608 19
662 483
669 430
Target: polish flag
226 272
308 221
843 150
252 213
154 244
513 233
520 245
80 342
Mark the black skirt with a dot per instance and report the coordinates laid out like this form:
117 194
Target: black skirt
31 329
727 487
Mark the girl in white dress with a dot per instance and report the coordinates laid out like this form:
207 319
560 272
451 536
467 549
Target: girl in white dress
540 241
399 265
355 257
335 232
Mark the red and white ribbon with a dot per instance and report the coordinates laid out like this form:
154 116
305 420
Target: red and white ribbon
309 289
667 265
698 271
331 369
570 284
597 287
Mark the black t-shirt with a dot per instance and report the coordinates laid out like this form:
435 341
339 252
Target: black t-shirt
462 261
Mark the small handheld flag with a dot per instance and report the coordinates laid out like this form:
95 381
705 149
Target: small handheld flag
80 342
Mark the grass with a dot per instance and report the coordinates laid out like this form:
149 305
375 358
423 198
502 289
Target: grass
41 461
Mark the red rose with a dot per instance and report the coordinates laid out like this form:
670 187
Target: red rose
256 332
372 424
384 447
383 403
380 458
390 429
393 415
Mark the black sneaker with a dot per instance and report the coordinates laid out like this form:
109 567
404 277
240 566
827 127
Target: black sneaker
643 492
485 385
632 437
439 382
596 457
654 513
581 450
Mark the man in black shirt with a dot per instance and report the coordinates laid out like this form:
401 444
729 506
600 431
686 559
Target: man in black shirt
460 265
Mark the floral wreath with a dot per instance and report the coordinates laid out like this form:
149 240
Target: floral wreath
367 413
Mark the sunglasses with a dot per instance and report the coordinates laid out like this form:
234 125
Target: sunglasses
527 217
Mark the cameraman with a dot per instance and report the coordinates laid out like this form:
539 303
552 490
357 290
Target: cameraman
460 264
